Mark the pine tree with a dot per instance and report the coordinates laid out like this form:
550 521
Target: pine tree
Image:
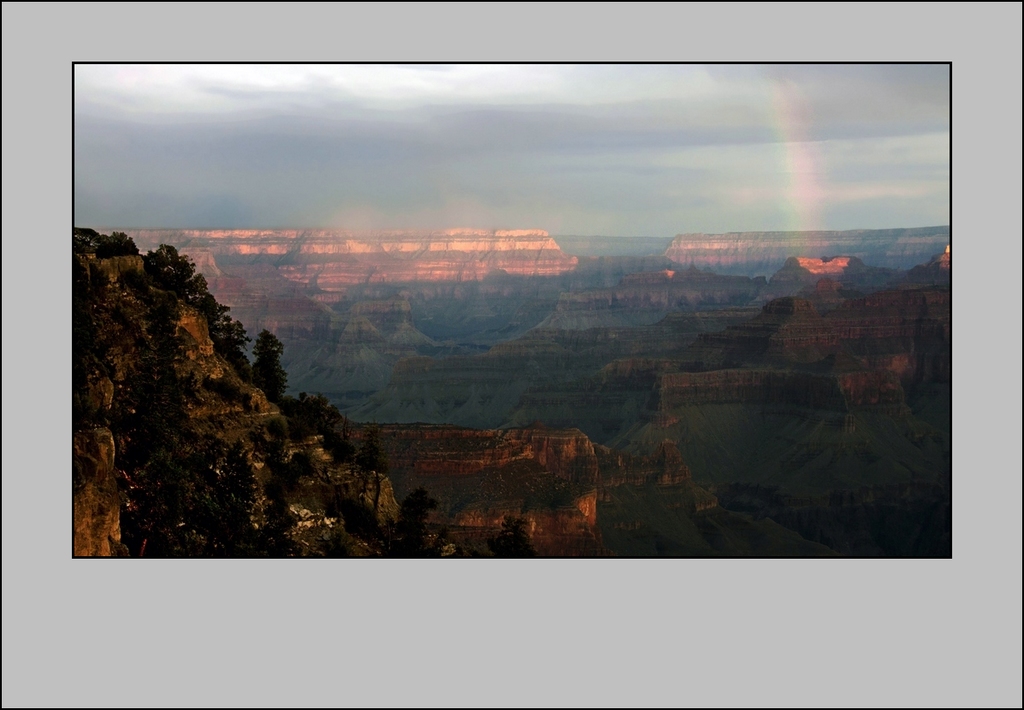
513 540
373 461
267 373
411 529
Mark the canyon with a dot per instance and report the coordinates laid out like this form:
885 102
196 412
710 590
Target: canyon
350 306
772 393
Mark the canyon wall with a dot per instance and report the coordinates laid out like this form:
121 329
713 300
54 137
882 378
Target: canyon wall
573 494
849 272
483 390
773 387
906 331
335 259
549 477
96 503
762 253
643 298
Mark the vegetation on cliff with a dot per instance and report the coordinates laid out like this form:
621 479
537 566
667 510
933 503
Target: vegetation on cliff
513 540
204 464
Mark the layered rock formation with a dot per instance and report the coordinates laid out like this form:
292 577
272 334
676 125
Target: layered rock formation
549 477
937 271
905 331
573 494
754 253
826 294
774 387
96 502
786 330
647 297
335 259
425 451
808 402
848 271
867 412
482 390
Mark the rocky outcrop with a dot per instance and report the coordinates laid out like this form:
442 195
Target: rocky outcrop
566 531
937 271
826 295
425 451
114 268
665 467
848 271
904 331
549 477
787 330
96 503
206 263
753 253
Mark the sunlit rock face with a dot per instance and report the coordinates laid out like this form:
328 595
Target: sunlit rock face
334 259
95 500
548 477
820 267
557 480
937 271
754 253
848 272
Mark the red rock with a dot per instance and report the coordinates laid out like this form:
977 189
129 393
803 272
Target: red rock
336 259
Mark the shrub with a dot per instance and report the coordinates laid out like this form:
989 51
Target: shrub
513 540
277 427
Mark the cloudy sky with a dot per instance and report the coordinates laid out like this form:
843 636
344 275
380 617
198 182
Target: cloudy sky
631 150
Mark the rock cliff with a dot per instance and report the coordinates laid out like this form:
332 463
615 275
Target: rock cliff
646 297
906 331
788 330
573 495
549 477
173 448
483 390
762 253
96 502
848 271
937 271
336 259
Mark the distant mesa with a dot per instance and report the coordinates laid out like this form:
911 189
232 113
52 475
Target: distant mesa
826 265
753 253
334 259
849 272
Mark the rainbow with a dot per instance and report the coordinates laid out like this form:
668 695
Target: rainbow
801 158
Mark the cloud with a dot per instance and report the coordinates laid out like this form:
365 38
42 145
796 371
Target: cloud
622 149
